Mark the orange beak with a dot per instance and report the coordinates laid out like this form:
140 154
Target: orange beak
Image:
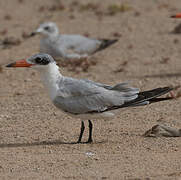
176 16
20 63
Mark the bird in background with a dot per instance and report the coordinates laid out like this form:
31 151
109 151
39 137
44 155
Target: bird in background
176 15
68 46
85 99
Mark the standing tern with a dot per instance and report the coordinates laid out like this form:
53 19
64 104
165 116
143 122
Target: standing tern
68 46
84 98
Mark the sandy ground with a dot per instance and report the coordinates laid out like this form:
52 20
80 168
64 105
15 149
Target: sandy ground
36 139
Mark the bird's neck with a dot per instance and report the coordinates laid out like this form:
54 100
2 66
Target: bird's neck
51 77
53 36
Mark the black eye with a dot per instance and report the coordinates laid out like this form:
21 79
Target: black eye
38 60
47 28
41 61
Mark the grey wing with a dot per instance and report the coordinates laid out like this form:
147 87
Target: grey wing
80 44
122 87
80 96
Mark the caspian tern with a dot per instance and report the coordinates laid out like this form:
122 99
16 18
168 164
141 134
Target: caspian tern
68 46
84 98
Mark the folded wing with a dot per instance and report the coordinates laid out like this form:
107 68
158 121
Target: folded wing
84 96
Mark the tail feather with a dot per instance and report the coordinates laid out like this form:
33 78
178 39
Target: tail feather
150 96
144 98
105 43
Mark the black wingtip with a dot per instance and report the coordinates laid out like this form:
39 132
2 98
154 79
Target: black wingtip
106 43
160 99
156 92
150 96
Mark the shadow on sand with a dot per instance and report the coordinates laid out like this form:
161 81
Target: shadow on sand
43 143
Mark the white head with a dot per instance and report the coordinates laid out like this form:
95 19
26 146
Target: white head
40 61
47 29
47 67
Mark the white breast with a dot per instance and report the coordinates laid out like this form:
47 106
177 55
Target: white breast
51 77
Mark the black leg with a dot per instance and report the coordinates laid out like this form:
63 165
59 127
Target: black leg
90 132
81 132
